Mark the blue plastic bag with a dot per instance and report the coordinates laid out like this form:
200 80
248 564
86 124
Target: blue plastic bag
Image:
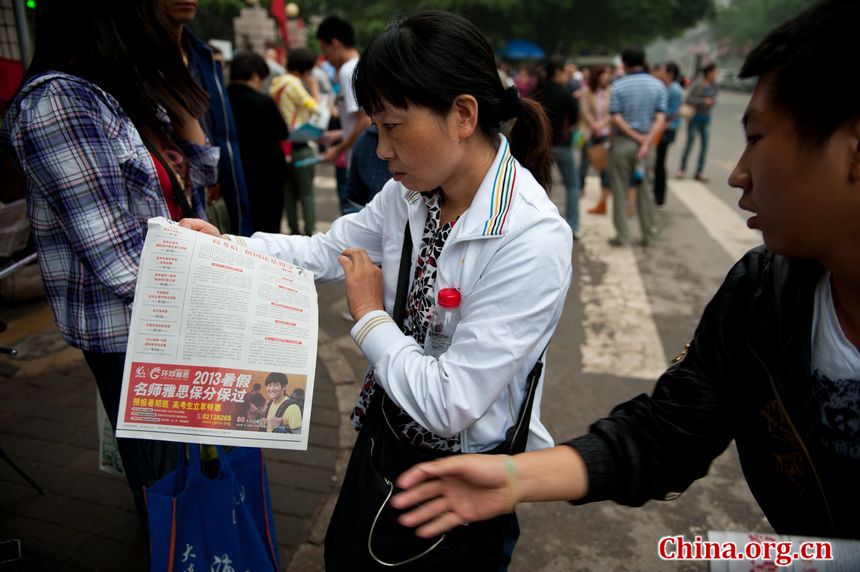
221 524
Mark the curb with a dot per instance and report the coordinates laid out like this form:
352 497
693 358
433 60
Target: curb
309 556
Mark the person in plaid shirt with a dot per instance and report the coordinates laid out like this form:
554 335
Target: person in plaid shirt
105 136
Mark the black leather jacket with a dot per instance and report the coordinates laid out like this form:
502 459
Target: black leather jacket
745 376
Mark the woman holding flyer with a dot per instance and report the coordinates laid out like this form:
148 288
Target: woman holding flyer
466 217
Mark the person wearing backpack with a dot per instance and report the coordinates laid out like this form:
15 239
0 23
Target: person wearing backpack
297 106
283 413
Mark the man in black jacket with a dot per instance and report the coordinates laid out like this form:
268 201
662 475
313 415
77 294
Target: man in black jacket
260 129
775 361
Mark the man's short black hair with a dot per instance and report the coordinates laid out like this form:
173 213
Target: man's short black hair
334 28
300 60
277 377
633 57
246 64
553 64
823 39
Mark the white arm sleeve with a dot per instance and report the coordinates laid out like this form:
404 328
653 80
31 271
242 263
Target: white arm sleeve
319 253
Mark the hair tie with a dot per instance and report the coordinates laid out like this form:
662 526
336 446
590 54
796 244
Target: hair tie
510 103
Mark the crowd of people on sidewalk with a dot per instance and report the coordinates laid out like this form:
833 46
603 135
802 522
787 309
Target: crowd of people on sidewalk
444 166
620 122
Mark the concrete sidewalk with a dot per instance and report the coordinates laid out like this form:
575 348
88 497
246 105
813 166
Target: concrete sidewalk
86 519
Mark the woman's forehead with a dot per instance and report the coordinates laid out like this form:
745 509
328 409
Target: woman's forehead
389 110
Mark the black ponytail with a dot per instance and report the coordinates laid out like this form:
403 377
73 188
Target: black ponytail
431 57
531 141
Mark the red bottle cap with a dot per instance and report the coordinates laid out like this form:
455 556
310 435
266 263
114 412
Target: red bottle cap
449 297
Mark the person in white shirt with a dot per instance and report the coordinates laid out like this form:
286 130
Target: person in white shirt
474 204
337 40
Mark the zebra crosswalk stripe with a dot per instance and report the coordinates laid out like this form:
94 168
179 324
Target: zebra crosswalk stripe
724 224
621 337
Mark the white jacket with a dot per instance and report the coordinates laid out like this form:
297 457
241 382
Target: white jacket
509 255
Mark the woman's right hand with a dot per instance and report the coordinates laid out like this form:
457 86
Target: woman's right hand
363 282
200 226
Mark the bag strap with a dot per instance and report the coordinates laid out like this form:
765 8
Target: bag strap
177 188
172 550
517 436
194 465
277 95
181 469
267 513
377 401
194 459
403 278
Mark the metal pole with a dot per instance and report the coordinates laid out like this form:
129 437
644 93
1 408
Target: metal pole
23 32
8 270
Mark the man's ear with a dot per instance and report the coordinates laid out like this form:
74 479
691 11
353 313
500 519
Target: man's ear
465 115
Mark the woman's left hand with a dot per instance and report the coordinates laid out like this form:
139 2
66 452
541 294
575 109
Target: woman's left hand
200 226
363 282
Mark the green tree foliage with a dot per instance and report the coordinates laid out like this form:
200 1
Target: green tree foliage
215 18
744 23
563 26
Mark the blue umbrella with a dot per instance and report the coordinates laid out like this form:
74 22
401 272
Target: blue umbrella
522 50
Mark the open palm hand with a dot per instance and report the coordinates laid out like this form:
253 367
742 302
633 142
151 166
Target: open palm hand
454 491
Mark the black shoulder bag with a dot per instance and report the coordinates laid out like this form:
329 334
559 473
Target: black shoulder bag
364 534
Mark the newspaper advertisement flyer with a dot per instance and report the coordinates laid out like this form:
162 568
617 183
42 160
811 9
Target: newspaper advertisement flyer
222 347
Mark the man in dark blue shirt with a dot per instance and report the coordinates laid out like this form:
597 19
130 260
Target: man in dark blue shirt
562 108
367 172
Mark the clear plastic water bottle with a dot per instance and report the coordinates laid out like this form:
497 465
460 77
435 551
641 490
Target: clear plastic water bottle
446 315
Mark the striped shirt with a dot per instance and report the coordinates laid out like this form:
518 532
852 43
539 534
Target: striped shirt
294 102
91 187
699 92
638 97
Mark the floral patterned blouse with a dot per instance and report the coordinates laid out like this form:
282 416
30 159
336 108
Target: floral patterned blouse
419 308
